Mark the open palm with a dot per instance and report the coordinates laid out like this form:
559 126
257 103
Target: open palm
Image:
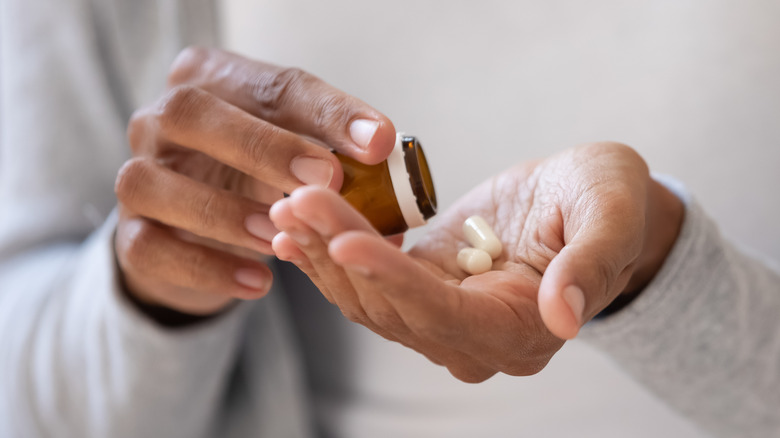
573 229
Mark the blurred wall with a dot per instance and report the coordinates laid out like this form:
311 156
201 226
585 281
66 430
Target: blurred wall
692 84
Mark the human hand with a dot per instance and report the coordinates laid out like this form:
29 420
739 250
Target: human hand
229 137
578 229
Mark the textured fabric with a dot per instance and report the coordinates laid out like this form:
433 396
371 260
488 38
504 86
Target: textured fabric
705 334
77 358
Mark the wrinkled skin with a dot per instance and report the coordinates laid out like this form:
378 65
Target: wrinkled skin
230 135
580 218
227 139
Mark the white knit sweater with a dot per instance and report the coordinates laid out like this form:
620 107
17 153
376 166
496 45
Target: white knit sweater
77 360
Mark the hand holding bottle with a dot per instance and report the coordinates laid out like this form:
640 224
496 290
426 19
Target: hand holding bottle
227 139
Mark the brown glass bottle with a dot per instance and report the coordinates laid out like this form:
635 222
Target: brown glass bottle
396 194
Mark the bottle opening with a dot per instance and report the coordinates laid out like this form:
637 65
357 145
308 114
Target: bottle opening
417 164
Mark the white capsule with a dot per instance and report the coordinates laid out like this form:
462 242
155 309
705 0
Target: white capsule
474 261
480 235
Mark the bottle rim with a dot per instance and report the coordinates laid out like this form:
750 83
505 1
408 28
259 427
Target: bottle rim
416 200
417 164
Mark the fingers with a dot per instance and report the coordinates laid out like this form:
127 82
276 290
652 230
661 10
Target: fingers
367 257
310 217
379 286
193 118
301 245
185 276
327 212
230 131
426 304
287 246
190 205
291 99
363 297
430 315
593 268
315 261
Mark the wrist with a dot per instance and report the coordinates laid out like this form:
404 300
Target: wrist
664 218
166 316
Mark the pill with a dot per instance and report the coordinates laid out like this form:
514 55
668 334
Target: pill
480 235
474 261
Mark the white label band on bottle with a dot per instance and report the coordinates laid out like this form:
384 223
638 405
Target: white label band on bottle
402 186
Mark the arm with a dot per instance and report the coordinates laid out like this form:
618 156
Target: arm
77 359
573 228
81 360
703 335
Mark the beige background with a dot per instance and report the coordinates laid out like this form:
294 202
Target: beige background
692 84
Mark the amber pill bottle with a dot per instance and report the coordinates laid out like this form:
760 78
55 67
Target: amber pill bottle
396 194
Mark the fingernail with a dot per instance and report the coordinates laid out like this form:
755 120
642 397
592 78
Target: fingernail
260 226
362 131
576 301
313 171
251 278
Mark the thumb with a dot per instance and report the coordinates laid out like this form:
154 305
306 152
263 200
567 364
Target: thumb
587 274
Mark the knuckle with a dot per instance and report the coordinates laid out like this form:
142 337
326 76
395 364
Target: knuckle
138 251
130 176
524 362
177 108
528 355
194 263
616 147
523 369
611 145
433 359
470 374
445 334
536 367
255 145
187 64
354 315
385 318
206 210
330 110
272 90
605 147
137 128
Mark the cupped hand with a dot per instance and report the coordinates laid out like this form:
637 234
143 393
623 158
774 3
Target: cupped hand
578 230
228 138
